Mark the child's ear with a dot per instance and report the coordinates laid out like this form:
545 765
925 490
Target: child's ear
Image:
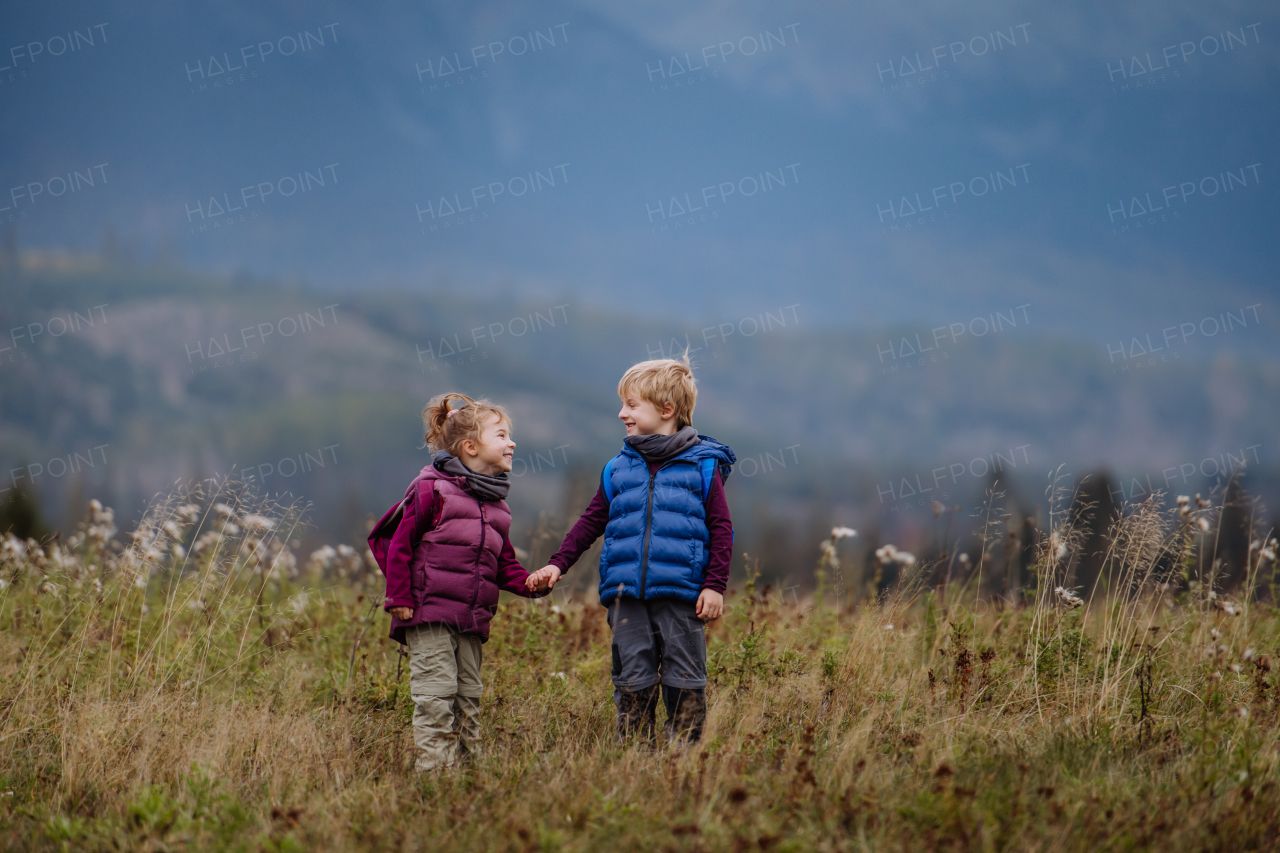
668 411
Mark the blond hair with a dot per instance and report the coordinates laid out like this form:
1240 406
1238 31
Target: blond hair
446 428
661 381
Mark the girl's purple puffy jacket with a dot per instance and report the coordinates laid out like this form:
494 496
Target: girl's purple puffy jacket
446 554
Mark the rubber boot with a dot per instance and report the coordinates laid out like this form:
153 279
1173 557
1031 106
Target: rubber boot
637 715
686 714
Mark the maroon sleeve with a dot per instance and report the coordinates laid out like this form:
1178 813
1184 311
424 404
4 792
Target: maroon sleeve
584 533
400 552
512 575
721 528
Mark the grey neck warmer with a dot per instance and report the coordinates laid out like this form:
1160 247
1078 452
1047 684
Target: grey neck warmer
660 449
486 487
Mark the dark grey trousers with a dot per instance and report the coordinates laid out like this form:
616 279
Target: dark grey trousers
661 640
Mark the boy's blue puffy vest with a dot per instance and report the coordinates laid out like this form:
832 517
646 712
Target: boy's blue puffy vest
656 544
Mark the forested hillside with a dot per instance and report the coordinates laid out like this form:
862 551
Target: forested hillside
121 379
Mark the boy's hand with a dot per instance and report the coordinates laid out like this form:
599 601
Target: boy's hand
404 614
710 605
543 578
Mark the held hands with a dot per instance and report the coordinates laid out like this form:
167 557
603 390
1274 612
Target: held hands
543 578
710 605
404 614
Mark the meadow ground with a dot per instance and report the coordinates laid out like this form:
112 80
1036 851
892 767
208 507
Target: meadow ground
196 689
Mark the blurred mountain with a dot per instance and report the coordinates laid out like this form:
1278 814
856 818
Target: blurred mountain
118 380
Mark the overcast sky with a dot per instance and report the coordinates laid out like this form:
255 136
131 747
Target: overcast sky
892 162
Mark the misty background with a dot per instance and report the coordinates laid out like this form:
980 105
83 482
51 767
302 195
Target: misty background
928 261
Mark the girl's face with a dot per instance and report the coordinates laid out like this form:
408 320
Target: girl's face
492 453
643 418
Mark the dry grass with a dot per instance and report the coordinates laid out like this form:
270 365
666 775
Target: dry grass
221 697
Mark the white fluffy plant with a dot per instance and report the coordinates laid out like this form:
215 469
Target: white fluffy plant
829 559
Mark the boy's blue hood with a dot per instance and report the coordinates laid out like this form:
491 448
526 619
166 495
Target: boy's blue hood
709 446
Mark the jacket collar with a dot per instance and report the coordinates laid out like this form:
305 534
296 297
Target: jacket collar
434 473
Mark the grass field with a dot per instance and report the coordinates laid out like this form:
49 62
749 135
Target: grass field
195 689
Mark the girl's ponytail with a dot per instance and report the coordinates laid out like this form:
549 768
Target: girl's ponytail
445 427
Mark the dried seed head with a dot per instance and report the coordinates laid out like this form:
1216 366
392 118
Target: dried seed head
889 554
1230 608
1069 598
252 520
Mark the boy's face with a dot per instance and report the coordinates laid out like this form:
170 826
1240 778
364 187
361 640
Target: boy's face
644 418
492 453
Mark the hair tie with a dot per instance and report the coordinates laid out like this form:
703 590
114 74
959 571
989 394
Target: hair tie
452 412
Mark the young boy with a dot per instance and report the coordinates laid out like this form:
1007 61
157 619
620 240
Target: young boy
668 541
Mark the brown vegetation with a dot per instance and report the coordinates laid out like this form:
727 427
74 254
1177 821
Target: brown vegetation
195 689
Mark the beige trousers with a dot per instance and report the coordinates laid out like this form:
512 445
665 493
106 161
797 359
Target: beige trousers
444 680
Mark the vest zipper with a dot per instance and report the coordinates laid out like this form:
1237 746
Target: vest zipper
475 595
648 532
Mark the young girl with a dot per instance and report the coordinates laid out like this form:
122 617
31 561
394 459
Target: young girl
446 553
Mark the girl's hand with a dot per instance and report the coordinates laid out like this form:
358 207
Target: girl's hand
543 578
404 614
710 605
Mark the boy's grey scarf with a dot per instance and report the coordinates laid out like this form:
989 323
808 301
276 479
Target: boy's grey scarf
486 487
660 449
